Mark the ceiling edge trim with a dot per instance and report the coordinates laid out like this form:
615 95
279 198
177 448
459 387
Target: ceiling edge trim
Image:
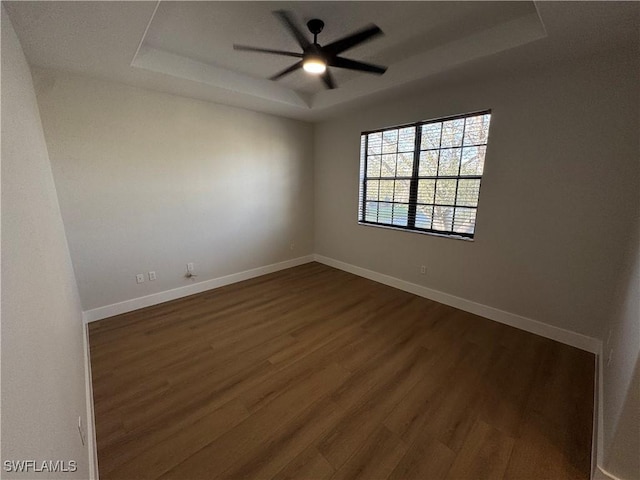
185 68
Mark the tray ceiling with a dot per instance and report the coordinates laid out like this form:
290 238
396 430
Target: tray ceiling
187 47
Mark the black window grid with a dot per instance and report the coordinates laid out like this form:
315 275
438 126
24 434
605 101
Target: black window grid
413 204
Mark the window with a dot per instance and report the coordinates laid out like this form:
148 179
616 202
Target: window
426 176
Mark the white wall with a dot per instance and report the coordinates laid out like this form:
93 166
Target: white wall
149 181
559 190
621 402
43 388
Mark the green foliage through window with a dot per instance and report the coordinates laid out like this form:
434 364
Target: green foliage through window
426 176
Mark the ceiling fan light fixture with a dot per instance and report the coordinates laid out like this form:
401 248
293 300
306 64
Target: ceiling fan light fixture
314 65
315 58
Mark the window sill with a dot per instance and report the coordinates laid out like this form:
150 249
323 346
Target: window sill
407 230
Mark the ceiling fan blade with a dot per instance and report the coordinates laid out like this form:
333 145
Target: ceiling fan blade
266 50
328 80
287 21
352 40
354 65
286 71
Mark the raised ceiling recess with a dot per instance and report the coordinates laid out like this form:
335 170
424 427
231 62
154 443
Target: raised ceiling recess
194 41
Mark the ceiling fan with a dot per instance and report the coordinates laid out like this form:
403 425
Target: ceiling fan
315 58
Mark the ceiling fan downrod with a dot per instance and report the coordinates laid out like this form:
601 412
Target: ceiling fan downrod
315 26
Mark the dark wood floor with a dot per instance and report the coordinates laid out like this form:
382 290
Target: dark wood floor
313 373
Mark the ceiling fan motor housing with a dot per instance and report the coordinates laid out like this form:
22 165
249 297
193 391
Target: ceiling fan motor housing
314 50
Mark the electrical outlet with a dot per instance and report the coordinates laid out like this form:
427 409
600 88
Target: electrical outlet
139 278
190 267
152 276
83 434
423 269
292 246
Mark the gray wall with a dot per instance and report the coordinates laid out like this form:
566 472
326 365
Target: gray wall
560 188
149 182
43 377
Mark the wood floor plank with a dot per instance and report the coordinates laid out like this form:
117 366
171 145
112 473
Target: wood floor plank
508 383
452 406
484 454
291 372
314 373
375 459
363 417
161 457
291 440
426 458
553 441
309 464
248 439
178 413
409 417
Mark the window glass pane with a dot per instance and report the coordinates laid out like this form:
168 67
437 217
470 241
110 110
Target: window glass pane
445 192
372 189
468 191
426 191
402 191
476 130
428 164
405 165
400 214
385 212
388 166
452 133
373 166
465 220
424 216
386 190
431 136
371 215
375 144
472 160
442 218
446 180
407 139
390 141
449 162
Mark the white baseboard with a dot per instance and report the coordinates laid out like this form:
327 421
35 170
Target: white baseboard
161 297
602 474
596 436
599 432
91 424
598 471
558 334
568 337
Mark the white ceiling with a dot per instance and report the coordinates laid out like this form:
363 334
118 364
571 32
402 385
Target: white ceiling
186 48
